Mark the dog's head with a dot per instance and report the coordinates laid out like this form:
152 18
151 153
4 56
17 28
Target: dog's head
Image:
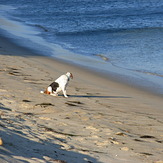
69 75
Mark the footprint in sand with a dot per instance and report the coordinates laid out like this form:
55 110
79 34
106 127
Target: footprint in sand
147 154
74 103
45 104
147 137
26 101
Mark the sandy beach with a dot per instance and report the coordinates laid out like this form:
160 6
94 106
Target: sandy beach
102 121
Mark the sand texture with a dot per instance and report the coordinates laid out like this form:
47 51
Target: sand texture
102 121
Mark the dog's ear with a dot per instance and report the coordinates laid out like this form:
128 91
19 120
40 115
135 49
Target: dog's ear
71 76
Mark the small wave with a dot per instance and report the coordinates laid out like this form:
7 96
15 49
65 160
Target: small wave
99 31
4 8
41 27
149 73
87 32
103 57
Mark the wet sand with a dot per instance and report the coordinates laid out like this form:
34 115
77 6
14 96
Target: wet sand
102 120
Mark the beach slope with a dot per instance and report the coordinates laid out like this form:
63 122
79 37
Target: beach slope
101 121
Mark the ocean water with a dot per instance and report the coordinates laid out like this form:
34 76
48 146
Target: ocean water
119 37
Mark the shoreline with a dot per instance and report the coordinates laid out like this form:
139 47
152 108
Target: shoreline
21 33
112 75
141 80
101 121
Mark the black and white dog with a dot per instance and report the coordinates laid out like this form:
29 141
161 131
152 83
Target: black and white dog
60 84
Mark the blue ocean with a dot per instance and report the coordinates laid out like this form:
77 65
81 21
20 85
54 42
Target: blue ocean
121 38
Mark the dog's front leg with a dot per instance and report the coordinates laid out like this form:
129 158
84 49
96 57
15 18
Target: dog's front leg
54 94
64 93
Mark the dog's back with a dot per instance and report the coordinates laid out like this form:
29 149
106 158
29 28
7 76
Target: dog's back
62 80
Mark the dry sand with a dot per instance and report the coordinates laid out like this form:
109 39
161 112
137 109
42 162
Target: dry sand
102 121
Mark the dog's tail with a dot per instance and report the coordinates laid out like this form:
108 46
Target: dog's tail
41 91
46 92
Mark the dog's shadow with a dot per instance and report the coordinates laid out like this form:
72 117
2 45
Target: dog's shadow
96 96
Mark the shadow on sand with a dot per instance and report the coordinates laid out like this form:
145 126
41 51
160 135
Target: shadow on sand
19 146
96 96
